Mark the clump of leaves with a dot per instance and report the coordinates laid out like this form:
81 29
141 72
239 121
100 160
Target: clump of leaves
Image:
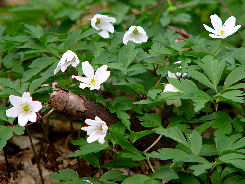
206 131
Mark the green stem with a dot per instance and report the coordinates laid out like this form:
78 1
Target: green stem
216 51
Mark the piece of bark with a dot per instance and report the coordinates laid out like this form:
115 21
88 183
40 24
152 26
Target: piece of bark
78 107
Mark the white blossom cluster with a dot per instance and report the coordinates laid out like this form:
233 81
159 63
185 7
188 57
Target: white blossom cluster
25 108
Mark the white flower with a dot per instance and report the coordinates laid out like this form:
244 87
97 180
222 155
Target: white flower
136 34
171 88
222 31
103 22
96 130
92 80
24 108
178 74
68 58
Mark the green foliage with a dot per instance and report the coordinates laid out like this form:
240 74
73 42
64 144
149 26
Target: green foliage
203 138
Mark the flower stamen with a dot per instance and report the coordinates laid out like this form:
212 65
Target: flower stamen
92 81
135 31
97 21
222 32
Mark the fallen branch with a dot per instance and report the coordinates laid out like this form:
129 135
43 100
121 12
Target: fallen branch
79 107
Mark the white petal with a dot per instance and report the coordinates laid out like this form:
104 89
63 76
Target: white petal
217 36
177 62
171 75
102 140
93 21
97 119
84 85
209 29
141 30
32 117
15 100
216 22
104 34
170 88
139 38
75 61
106 26
81 79
36 106
92 138
26 97
126 38
89 129
87 70
233 30
22 119
95 86
69 55
13 112
64 66
131 29
91 122
230 22
57 69
62 60
101 74
108 19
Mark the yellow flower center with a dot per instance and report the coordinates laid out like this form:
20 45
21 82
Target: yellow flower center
222 32
92 81
135 31
97 21
101 127
26 108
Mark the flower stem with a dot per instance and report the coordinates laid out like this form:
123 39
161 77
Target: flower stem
34 151
154 143
149 163
216 51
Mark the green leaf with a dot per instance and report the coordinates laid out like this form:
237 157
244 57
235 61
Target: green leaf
65 174
234 95
37 66
121 163
153 93
71 39
165 173
3 143
237 160
213 68
151 120
173 133
201 78
167 154
236 75
38 82
139 179
200 168
152 181
34 31
134 136
122 141
88 148
124 117
114 175
231 143
195 142
6 132
19 130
